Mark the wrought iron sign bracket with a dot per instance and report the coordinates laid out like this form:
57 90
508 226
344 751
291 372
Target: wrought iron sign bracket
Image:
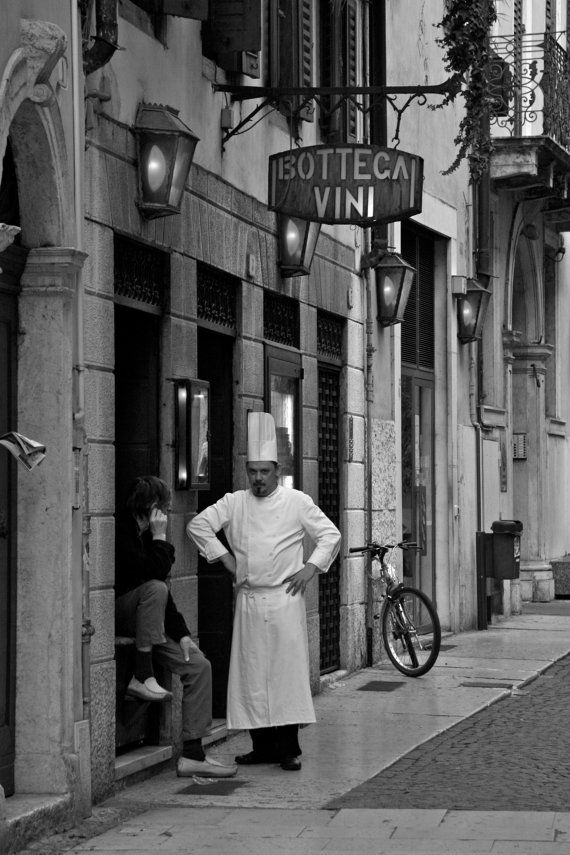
299 97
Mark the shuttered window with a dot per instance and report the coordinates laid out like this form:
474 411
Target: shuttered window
550 16
339 67
232 35
418 326
291 23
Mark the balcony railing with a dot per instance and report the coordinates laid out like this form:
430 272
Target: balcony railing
529 79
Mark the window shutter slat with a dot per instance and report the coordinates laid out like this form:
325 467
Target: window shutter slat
292 54
305 24
350 77
418 327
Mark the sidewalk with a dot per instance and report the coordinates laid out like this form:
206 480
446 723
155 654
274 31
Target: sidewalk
365 723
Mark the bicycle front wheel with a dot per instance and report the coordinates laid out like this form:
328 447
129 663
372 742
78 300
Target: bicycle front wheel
411 631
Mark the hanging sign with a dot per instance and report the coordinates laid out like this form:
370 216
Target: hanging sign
358 184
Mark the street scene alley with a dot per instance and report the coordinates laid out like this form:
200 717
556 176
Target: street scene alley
365 785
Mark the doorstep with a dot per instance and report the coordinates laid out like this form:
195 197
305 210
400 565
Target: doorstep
148 756
29 816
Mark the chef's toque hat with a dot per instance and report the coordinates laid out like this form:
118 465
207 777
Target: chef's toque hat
261 439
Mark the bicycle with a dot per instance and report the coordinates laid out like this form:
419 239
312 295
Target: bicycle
411 631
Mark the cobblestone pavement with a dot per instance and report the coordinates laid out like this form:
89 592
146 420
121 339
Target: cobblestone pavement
513 755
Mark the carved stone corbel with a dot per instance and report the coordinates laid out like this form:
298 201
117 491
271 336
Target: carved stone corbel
43 44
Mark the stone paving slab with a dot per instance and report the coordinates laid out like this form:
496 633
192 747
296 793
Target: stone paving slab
368 832
360 734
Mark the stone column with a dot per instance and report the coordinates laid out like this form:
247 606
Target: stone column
48 677
528 406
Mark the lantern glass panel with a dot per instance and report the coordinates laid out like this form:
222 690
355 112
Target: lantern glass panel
157 158
184 155
313 231
468 316
394 282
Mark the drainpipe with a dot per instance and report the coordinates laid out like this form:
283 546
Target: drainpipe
369 381
104 42
80 449
483 263
376 130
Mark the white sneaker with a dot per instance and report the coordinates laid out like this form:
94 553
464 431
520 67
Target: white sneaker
208 768
147 691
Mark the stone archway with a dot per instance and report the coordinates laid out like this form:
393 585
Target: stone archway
525 350
48 584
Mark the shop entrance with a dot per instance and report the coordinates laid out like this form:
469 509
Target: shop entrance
417 481
136 453
215 590
418 380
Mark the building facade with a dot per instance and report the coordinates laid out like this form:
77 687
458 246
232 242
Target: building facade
111 316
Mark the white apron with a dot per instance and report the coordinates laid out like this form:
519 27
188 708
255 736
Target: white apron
269 681
270 685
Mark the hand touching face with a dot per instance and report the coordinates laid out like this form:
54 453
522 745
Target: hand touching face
157 523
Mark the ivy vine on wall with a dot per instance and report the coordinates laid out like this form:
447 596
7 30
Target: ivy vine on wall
466 28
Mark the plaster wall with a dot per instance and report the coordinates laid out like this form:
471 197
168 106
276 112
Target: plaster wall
464 576
419 60
185 82
557 496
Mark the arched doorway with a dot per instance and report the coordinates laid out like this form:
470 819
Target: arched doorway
11 266
47 582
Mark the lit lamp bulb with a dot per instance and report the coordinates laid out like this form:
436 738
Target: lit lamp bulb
389 293
468 317
156 168
293 239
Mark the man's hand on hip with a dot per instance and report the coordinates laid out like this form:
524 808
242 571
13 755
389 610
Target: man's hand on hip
229 563
298 581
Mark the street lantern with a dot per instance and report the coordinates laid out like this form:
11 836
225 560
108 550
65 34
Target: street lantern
471 311
394 278
297 240
165 148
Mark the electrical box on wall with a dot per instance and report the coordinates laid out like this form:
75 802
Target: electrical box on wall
519 446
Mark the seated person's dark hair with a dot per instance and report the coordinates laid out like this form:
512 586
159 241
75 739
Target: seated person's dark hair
146 492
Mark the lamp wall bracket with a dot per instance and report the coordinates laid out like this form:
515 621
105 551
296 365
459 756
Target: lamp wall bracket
336 96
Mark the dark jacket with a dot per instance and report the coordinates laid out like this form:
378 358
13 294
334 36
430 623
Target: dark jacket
139 558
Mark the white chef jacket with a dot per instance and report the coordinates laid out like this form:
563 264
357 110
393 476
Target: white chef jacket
269 666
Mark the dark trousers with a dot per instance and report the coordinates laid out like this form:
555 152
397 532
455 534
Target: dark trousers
276 742
140 613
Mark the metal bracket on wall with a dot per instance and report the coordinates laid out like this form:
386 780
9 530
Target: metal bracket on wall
332 98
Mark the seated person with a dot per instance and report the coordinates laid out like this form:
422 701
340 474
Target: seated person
145 609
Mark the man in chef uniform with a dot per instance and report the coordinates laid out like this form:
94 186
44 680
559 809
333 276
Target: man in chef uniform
268 689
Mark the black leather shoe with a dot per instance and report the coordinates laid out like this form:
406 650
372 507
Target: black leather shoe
291 764
253 759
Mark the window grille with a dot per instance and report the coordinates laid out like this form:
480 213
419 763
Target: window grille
217 297
142 273
329 336
281 319
329 502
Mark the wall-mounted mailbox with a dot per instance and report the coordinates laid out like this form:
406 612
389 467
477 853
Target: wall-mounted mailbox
506 548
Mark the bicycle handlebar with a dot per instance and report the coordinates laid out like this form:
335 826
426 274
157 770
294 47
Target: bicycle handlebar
376 547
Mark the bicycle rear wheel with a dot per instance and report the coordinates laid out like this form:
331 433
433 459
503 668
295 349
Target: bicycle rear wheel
411 631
